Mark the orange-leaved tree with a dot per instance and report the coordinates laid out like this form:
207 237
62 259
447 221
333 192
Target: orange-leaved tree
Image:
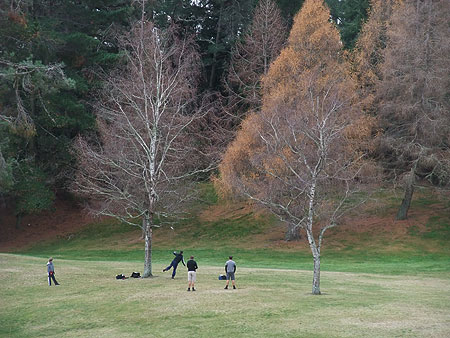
413 95
367 56
296 157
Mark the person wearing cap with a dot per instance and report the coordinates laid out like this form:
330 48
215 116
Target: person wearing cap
192 274
178 258
51 272
230 269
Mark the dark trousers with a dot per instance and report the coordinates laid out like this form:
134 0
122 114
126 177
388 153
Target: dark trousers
173 265
50 277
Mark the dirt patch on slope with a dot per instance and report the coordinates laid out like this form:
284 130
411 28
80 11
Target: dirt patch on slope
229 210
65 219
369 227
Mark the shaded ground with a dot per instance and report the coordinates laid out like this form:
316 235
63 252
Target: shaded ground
371 225
239 225
65 219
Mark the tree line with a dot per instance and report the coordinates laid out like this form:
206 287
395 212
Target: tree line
303 107
54 57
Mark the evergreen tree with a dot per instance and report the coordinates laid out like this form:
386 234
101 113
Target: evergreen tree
251 58
349 15
50 55
289 9
216 24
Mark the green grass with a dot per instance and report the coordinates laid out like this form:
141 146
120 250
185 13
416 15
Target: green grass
351 260
213 241
374 285
438 228
232 228
267 303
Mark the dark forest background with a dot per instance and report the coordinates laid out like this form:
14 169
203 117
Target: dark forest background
54 56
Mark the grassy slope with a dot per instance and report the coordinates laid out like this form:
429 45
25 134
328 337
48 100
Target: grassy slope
368 241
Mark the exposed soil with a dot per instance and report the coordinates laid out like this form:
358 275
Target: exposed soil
363 224
65 219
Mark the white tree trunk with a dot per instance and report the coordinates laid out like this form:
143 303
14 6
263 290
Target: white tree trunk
316 276
148 247
312 243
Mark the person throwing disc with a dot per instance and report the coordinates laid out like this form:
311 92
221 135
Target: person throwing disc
178 258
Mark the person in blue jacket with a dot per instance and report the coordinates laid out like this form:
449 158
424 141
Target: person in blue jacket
178 258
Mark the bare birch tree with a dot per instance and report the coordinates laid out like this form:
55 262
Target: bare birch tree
143 116
299 162
297 157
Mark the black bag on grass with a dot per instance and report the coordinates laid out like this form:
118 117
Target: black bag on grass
135 275
222 277
121 276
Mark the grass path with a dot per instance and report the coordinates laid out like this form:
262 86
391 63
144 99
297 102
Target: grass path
267 303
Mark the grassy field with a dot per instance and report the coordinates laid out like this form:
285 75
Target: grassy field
267 303
380 278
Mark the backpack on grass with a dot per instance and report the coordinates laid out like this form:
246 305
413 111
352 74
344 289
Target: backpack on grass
135 275
121 276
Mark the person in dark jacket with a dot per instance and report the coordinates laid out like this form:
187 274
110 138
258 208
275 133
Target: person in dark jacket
230 269
178 258
192 274
51 272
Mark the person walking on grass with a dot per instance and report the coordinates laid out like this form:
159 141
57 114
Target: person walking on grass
51 272
178 258
230 269
192 274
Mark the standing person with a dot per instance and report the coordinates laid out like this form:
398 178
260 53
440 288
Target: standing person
178 258
51 272
230 269
192 275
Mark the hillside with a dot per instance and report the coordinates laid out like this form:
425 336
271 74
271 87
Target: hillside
216 224
63 220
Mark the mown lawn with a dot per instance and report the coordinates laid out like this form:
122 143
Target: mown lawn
267 303
374 283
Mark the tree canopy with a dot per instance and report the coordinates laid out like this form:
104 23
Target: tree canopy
389 59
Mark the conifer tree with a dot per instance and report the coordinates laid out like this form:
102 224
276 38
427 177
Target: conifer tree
367 56
251 58
349 16
51 53
412 96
